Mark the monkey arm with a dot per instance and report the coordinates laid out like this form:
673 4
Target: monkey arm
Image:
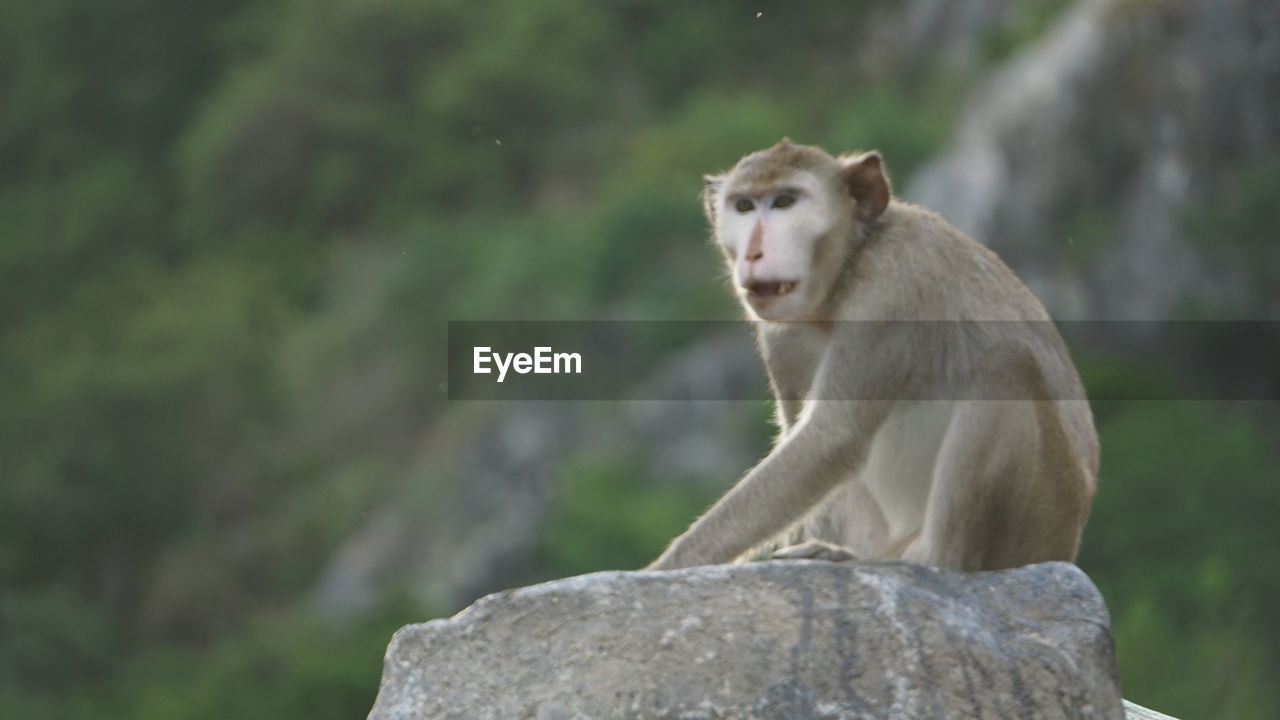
828 443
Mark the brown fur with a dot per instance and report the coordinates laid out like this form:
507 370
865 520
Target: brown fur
954 435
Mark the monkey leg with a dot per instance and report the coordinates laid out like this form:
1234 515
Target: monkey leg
815 550
982 509
978 461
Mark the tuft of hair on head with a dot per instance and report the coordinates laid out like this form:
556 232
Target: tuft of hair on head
711 190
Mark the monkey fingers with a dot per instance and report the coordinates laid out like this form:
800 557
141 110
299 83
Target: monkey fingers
815 550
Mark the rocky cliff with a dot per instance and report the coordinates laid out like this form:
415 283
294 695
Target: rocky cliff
1079 158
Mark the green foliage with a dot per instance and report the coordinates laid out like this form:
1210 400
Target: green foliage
1183 509
281 665
1026 23
1088 232
905 130
63 640
1112 378
586 531
1235 227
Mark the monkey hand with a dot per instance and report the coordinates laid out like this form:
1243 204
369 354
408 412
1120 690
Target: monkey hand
815 550
667 561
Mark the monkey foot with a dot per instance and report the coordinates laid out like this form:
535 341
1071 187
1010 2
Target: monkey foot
815 550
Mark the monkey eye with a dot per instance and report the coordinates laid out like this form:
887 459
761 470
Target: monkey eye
743 205
784 201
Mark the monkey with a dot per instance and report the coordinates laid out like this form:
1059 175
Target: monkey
927 408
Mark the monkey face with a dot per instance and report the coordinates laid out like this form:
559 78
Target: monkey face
772 236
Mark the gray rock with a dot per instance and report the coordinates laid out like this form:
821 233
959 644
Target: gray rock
793 639
1133 711
1126 113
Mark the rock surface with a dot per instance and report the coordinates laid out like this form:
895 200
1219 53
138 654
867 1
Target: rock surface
794 639
1108 130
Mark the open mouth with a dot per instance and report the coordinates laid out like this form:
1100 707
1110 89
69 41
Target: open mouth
761 289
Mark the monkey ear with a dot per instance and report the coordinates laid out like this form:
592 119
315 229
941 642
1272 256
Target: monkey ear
868 183
711 191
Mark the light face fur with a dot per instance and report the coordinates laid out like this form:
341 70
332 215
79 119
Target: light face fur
780 216
928 409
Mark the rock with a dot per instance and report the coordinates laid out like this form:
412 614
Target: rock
1105 131
1133 711
793 639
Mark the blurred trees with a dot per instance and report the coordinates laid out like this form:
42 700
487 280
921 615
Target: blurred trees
186 187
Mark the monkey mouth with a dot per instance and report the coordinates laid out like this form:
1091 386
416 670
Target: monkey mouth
763 289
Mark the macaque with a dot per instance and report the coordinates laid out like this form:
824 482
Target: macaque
928 409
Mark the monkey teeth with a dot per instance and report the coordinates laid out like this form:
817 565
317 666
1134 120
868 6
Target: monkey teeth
770 289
